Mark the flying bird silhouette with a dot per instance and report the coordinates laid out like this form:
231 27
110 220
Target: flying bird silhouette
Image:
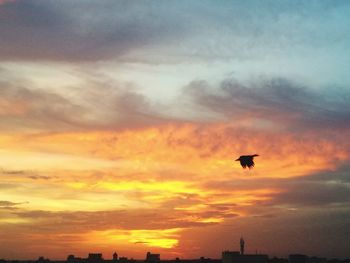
247 160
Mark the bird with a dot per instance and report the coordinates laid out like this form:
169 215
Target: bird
247 160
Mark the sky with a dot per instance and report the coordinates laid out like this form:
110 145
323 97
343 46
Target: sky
120 122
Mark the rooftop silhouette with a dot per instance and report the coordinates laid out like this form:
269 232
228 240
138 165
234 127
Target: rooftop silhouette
227 257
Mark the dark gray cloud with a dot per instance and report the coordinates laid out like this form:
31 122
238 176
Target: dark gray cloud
279 101
340 175
39 177
24 174
8 205
94 30
327 188
79 30
314 194
12 172
320 232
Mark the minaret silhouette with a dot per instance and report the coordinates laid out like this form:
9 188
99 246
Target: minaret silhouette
241 242
115 256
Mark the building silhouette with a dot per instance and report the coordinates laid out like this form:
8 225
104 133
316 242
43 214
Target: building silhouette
298 258
152 258
123 260
95 258
240 257
237 257
241 243
227 257
42 260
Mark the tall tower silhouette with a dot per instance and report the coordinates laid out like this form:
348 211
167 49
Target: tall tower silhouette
115 256
241 242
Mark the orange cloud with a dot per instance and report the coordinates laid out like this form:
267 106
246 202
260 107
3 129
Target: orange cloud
175 177
13 108
202 150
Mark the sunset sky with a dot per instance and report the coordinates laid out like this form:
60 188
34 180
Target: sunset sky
120 122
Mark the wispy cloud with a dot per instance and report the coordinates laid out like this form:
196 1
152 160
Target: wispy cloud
7 204
273 102
101 107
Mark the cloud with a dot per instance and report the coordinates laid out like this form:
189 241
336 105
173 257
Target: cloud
19 175
314 194
31 108
80 221
327 188
273 103
100 105
39 177
8 205
5 1
116 105
43 30
151 31
12 172
11 186
175 172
